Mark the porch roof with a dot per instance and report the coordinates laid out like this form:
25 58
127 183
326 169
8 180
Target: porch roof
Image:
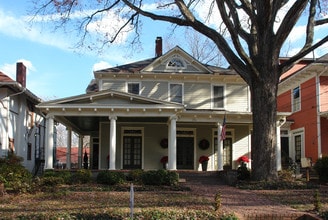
84 113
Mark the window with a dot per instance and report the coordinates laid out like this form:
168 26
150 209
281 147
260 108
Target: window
176 62
298 147
29 151
296 99
134 88
175 93
218 97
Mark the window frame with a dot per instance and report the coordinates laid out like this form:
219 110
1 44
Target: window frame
170 93
296 102
213 102
133 83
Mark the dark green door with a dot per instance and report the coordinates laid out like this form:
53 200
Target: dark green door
185 153
132 152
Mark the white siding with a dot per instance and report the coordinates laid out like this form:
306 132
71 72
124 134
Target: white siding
155 89
197 95
114 85
237 98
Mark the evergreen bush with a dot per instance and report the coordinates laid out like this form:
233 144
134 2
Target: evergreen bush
321 167
160 177
110 177
65 175
81 176
14 175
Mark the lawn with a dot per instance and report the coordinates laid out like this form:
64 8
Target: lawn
93 201
96 201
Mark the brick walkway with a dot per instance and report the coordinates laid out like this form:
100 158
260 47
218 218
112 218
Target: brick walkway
245 204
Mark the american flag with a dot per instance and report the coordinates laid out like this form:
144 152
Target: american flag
223 131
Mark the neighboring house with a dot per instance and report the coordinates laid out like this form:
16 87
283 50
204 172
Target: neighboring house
61 157
22 125
303 91
170 105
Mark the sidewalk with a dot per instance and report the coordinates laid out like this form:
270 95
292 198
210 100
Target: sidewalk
245 204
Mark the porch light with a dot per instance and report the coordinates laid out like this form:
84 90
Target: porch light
95 109
63 109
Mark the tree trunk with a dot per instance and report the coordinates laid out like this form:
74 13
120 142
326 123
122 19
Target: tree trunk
264 96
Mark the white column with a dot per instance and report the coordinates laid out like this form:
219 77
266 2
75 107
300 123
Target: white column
172 149
112 143
80 151
69 146
49 156
220 148
278 149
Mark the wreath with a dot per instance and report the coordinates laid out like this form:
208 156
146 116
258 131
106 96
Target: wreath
204 144
164 143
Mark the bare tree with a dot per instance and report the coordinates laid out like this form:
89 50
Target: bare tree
200 47
257 30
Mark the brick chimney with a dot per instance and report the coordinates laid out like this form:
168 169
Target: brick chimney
21 74
158 49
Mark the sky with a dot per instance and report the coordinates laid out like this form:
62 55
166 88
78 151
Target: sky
56 69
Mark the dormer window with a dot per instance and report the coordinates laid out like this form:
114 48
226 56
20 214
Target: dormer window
134 88
176 62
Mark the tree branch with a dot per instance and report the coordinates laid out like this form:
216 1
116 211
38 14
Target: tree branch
294 59
321 22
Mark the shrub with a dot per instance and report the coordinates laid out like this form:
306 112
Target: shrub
243 173
65 175
15 176
321 166
160 177
50 183
135 175
110 177
81 176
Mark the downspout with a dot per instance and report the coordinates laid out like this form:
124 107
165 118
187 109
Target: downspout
317 83
280 123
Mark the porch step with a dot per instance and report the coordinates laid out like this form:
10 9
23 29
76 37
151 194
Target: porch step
197 177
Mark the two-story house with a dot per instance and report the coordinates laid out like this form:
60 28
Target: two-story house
170 105
22 125
304 92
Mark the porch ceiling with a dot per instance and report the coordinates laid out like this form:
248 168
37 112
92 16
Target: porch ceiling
90 124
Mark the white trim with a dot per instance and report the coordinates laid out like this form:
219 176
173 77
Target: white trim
300 99
142 129
193 135
182 92
214 156
212 95
317 83
294 133
132 82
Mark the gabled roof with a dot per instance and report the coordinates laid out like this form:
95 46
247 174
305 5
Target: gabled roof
157 64
134 67
166 63
317 67
5 78
6 81
108 99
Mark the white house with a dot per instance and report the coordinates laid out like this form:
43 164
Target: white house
22 126
170 105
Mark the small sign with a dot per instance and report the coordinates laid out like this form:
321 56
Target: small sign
305 162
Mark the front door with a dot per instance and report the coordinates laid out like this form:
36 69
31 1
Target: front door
132 152
185 153
227 153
